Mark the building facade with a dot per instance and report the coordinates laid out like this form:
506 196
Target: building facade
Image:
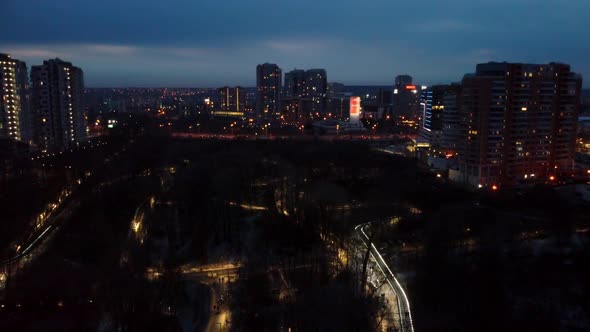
15 117
406 98
268 91
231 101
433 108
451 122
311 88
294 84
518 122
316 89
57 102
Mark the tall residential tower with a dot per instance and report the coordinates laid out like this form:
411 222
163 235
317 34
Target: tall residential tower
406 99
14 100
57 93
518 122
294 84
308 89
268 91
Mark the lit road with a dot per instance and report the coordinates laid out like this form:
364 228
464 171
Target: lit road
389 151
275 137
48 221
219 319
403 302
217 277
212 270
34 243
28 248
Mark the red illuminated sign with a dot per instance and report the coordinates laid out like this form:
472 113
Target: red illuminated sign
410 87
355 105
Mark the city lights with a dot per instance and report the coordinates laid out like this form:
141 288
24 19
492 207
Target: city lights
190 176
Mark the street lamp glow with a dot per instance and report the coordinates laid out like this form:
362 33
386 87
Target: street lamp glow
135 225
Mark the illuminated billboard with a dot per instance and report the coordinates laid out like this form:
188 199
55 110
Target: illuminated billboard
410 87
355 110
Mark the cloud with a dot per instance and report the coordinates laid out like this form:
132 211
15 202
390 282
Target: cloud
189 52
349 61
111 49
31 52
42 51
296 47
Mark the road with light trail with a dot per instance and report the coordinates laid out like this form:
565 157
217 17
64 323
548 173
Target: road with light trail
403 302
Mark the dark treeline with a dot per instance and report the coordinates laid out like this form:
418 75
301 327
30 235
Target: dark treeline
307 199
508 261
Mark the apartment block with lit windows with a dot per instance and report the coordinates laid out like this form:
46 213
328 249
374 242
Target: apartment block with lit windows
518 123
231 101
406 98
316 89
310 88
14 100
57 104
294 86
433 108
268 91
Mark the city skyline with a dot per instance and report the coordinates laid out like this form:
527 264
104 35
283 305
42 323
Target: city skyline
296 166
196 45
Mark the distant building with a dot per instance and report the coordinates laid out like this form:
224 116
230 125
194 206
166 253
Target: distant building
335 127
291 111
518 122
15 117
451 135
433 106
316 89
406 97
384 97
310 87
231 101
335 89
294 86
268 91
339 106
355 111
57 104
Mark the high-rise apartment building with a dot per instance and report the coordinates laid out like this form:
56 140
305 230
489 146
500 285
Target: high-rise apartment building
231 101
57 104
294 84
15 114
316 89
311 88
518 122
406 97
451 122
433 108
268 91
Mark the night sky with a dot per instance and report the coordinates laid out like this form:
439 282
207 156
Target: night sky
209 43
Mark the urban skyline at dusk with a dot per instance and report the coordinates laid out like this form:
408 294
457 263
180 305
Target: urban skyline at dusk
183 44
294 166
